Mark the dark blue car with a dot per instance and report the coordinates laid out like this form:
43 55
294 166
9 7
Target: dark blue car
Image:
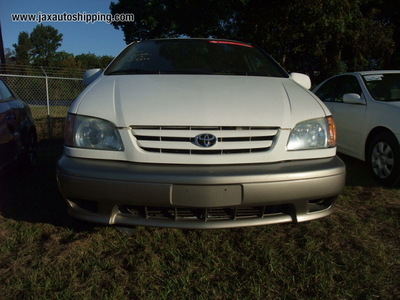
17 130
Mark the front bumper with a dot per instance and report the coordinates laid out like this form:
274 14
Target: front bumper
187 196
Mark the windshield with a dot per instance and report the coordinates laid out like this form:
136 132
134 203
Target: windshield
383 87
188 56
5 93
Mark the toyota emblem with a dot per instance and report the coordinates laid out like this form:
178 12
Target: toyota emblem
205 140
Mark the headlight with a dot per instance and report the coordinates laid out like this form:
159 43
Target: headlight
313 134
91 133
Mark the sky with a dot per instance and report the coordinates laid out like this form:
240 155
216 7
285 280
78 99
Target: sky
98 38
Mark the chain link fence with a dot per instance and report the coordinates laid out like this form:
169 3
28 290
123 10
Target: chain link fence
49 98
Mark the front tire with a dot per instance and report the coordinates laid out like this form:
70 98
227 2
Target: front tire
384 158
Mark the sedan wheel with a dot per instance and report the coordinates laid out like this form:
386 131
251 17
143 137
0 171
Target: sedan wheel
384 159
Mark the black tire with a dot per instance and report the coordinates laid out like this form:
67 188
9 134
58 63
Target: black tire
29 155
384 158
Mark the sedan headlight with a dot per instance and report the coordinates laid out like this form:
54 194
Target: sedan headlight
91 133
313 134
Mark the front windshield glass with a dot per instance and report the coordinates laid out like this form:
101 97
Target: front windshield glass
383 87
187 56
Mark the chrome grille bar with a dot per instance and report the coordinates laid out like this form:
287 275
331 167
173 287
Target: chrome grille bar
181 140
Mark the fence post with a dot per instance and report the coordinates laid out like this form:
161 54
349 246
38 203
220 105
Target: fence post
49 121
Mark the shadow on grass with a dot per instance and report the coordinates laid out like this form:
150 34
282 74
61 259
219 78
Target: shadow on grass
358 173
32 195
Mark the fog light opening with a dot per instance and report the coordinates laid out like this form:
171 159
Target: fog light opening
320 204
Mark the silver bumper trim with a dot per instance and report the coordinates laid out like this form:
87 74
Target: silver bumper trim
109 185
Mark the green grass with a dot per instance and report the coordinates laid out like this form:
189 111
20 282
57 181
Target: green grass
40 112
45 254
49 128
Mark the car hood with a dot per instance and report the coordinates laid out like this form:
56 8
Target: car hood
198 100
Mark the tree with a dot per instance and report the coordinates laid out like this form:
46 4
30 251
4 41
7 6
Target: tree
386 13
40 49
10 56
328 36
45 42
23 48
105 60
67 62
171 18
91 61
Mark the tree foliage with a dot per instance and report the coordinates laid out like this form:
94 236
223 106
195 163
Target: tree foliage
45 42
328 36
90 61
23 48
40 49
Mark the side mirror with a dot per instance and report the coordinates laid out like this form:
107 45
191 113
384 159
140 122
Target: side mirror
91 75
301 79
353 98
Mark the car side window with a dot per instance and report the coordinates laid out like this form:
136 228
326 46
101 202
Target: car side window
5 93
334 89
328 91
348 85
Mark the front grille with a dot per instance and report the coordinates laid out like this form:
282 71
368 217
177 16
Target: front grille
181 140
205 214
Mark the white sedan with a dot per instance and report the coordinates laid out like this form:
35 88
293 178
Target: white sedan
366 109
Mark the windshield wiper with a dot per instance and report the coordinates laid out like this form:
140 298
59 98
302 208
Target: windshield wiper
187 72
199 72
132 71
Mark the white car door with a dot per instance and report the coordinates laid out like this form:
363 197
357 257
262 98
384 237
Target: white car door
350 118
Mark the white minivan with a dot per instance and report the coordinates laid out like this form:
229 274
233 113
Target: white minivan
198 133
